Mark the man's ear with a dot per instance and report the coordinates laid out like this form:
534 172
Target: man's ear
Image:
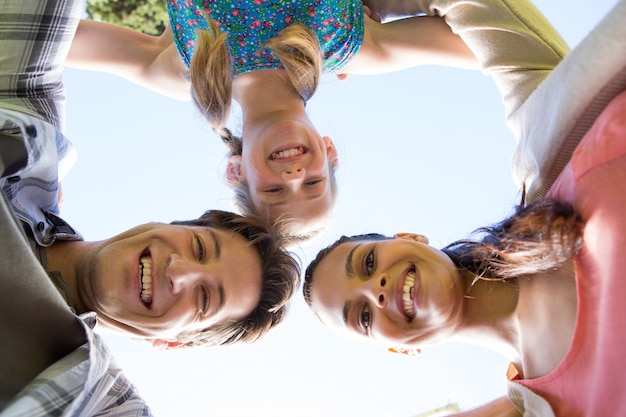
233 170
164 344
331 151
412 236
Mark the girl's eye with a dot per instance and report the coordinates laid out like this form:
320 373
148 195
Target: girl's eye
205 300
364 318
201 249
314 182
369 263
274 190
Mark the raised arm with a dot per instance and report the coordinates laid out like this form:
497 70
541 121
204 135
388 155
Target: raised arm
406 43
150 61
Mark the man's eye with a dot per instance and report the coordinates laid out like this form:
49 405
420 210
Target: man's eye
201 249
364 319
369 263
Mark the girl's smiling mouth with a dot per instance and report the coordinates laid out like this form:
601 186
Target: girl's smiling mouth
288 154
408 293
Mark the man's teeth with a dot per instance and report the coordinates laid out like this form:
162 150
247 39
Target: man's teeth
287 153
145 271
407 293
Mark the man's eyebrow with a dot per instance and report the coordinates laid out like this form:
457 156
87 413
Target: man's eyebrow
349 268
346 310
217 246
217 250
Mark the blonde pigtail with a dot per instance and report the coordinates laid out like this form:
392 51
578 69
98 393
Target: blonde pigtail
299 51
210 76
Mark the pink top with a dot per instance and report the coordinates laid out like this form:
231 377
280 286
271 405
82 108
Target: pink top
591 379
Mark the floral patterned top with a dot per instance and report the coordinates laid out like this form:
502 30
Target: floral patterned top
338 25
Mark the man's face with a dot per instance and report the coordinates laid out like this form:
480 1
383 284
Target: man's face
157 280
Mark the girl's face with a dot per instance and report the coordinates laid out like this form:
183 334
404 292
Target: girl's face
288 171
396 293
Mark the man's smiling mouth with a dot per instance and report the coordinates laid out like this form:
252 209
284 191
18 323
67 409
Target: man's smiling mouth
145 277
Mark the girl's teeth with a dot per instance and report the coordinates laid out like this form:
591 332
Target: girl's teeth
287 153
407 293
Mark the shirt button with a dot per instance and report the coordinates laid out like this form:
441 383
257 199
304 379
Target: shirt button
41 226
31 131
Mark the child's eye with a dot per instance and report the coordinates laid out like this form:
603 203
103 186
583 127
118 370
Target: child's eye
205 300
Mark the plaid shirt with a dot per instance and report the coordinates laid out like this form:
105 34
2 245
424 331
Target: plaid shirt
85 383
35 36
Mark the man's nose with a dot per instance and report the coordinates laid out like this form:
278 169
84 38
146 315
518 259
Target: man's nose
184 273
293 174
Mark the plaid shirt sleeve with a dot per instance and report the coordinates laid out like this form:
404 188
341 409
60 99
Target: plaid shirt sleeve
84 383
35 38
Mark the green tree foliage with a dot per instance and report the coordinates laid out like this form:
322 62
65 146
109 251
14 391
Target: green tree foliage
148 16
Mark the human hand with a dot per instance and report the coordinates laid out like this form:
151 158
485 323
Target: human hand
60 196
372 15
384 11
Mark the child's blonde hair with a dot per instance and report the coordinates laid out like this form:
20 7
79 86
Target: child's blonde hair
297 48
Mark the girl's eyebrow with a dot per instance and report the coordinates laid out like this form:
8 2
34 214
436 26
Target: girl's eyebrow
345 311
349 268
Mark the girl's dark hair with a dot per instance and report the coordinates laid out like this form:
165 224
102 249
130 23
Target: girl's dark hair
540 236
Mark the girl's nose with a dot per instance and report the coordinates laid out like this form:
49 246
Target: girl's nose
293 174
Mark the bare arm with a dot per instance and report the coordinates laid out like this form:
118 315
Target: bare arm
150 61
406 43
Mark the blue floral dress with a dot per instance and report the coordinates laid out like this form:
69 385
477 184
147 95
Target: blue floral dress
338 25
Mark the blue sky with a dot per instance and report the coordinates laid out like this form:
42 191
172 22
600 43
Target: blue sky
423 150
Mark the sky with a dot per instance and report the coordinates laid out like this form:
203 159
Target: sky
423 150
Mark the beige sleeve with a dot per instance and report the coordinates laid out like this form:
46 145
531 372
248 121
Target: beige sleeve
513 42
527 402
551 123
